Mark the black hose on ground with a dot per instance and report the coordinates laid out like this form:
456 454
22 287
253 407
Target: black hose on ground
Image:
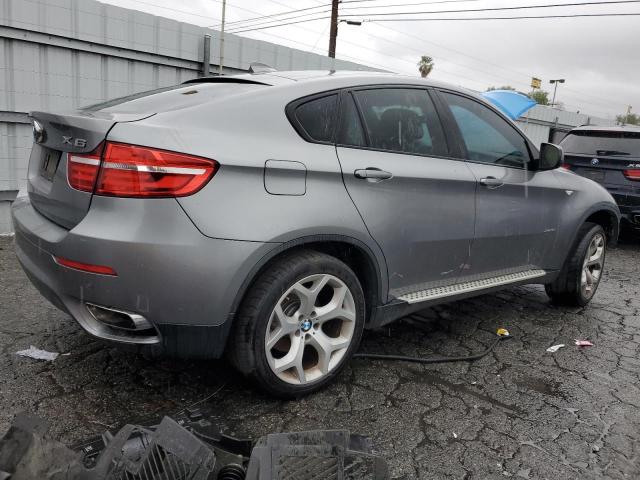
502 335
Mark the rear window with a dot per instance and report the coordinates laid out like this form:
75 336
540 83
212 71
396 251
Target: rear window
602 143
318 117
171 98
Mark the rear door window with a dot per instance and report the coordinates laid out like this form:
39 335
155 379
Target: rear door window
488 138
401 120
622 144
318 117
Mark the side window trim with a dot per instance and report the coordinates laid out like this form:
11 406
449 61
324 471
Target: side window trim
345 95
453 125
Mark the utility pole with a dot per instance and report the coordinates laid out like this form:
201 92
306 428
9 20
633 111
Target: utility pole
224 8
333 31
555 89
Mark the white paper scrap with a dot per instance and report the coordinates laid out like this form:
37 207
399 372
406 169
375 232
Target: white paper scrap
33 352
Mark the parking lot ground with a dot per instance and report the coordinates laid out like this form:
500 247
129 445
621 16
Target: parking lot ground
519 412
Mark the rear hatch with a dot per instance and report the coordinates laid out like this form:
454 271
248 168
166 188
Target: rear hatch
609 157
84 131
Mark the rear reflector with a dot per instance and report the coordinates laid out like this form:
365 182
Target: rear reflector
82 169
566 166
85 267
632 174
134 171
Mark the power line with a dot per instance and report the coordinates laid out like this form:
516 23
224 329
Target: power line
494 9
280 25
247 21
268 22
601 101
262 17
528 17
430 12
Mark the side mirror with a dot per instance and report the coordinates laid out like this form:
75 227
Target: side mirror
551 156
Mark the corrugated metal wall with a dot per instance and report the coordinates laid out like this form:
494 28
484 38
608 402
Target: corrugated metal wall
538 122
61 54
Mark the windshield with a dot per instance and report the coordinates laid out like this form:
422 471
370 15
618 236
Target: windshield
602 143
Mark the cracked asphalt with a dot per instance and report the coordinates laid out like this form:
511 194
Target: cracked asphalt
519 412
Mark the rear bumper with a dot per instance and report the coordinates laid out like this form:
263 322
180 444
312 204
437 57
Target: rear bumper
629 205
181 282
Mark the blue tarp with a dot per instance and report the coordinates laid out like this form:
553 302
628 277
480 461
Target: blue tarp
512 103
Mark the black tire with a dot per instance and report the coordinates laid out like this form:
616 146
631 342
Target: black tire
246 349
566 289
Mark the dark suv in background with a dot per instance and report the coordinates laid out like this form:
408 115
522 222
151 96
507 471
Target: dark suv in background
611 157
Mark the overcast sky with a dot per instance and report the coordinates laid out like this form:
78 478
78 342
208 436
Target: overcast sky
598 57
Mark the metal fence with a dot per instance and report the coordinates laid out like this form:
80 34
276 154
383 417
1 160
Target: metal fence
543 123
58 55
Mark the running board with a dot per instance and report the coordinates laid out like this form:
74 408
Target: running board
468 287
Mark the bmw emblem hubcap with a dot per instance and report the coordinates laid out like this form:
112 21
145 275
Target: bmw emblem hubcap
305 326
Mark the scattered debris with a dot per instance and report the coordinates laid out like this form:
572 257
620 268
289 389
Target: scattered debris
555 348
584 343
33 352
189 447
502 332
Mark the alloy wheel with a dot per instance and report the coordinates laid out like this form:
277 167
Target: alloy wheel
592 266
310 329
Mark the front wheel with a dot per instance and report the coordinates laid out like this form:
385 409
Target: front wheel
582 272
299 324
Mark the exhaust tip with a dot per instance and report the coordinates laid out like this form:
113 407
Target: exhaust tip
120 325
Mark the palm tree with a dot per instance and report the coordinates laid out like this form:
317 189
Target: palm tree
425 65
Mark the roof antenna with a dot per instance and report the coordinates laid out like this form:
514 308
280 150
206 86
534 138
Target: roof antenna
257 67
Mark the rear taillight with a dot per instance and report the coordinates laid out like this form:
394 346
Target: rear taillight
566 166
134 171
82 169
632 174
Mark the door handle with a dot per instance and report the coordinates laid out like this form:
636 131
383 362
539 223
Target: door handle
491 182
372 173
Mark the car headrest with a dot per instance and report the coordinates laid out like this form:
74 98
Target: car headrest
400 127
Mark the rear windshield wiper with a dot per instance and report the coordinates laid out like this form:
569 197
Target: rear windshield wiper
611 152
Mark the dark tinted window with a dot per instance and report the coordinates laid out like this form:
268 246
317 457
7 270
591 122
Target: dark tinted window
351 132
602 143
402 120
488 137
318 117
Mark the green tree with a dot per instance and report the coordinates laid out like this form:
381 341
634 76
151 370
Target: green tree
541 97
628 119
504 87
425 66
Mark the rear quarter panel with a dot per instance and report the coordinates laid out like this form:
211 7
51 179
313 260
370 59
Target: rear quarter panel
243 133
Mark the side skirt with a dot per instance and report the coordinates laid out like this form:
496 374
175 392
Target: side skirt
419 300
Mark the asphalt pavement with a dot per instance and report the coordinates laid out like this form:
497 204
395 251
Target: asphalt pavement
520 412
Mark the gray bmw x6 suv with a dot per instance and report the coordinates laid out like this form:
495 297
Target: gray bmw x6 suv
275 216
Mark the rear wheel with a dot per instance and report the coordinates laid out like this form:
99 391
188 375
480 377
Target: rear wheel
581 274
299 324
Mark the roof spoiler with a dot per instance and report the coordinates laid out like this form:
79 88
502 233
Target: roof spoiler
220 79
